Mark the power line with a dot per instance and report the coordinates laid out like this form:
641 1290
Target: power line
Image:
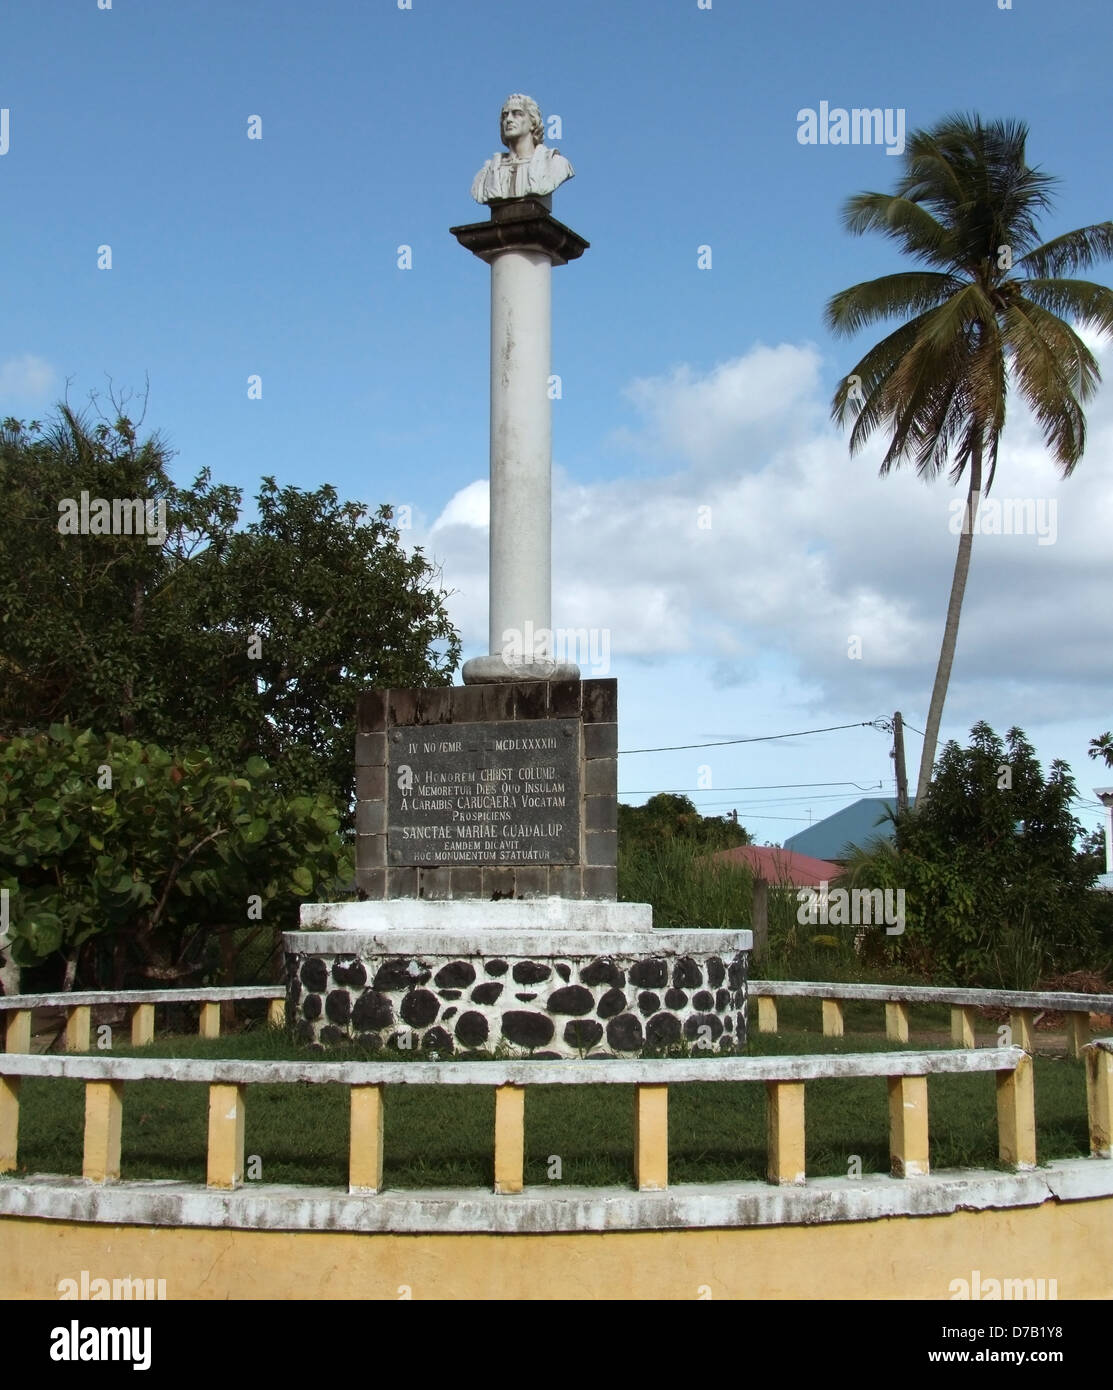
760 738
756 787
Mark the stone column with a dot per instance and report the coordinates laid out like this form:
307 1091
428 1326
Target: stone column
521 243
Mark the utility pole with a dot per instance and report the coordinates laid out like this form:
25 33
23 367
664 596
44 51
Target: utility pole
898 758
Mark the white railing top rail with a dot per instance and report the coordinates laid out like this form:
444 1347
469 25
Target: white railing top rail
76 998
618 1071
1067 1002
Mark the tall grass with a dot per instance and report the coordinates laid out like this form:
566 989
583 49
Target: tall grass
684 886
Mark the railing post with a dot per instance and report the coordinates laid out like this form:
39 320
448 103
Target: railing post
226 1135
1078 1033
896 1021
142 1024
651 1138
209 1026
17 1033
365 1143
785 1113
832 1018
510 1138
1099 1100
908 1126
962 1025
9 1122
766 1013
78 1020
104 1117
1020 1028
1016 1115
276 1013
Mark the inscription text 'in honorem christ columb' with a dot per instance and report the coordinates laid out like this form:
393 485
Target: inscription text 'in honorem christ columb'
495 793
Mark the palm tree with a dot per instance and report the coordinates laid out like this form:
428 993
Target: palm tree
1102 747
984 311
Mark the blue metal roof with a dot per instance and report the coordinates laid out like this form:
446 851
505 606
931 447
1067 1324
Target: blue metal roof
834 837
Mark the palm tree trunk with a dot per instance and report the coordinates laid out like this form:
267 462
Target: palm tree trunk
950 630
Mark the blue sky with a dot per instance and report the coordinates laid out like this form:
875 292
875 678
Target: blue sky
682 388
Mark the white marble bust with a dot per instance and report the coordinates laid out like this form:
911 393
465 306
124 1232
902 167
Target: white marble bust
528 168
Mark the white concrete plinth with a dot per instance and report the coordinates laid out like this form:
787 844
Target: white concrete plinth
463 916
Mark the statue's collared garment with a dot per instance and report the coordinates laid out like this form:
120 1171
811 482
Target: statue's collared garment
503 176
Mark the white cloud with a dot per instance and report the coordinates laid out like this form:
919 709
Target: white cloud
25 379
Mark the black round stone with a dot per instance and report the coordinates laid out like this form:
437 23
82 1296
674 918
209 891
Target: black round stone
722 999
602 971
613 1002
371 1041
449 1013
527 997
496 967
728 1023
736 975
675 999
624 1033
716 972
694 1025
662 1029
437 1040
486 993
571 999
686 974
420 1007
739 998
472 1029
649 1003
563 971
303 1032
451 993
338 1005
293 991
703 1000
372 1010
331 1034
457 974
314 974
530 972
650 974
526 1029
583 1032
311 1006
350 972
396 974
547 1057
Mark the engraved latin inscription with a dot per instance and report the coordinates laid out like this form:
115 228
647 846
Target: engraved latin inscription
495 793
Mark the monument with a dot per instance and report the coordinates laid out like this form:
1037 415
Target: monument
486 814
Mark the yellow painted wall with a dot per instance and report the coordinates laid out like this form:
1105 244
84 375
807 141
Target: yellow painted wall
906 1257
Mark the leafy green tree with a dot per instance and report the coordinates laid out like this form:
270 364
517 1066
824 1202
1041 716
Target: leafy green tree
990 307
248 640
669 817
123 855
996 890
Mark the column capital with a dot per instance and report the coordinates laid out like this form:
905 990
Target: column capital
521 224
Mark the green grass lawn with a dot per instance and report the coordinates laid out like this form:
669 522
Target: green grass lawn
442 1136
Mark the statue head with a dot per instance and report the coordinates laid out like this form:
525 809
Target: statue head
518 105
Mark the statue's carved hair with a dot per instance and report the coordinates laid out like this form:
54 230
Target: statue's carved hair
532 110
